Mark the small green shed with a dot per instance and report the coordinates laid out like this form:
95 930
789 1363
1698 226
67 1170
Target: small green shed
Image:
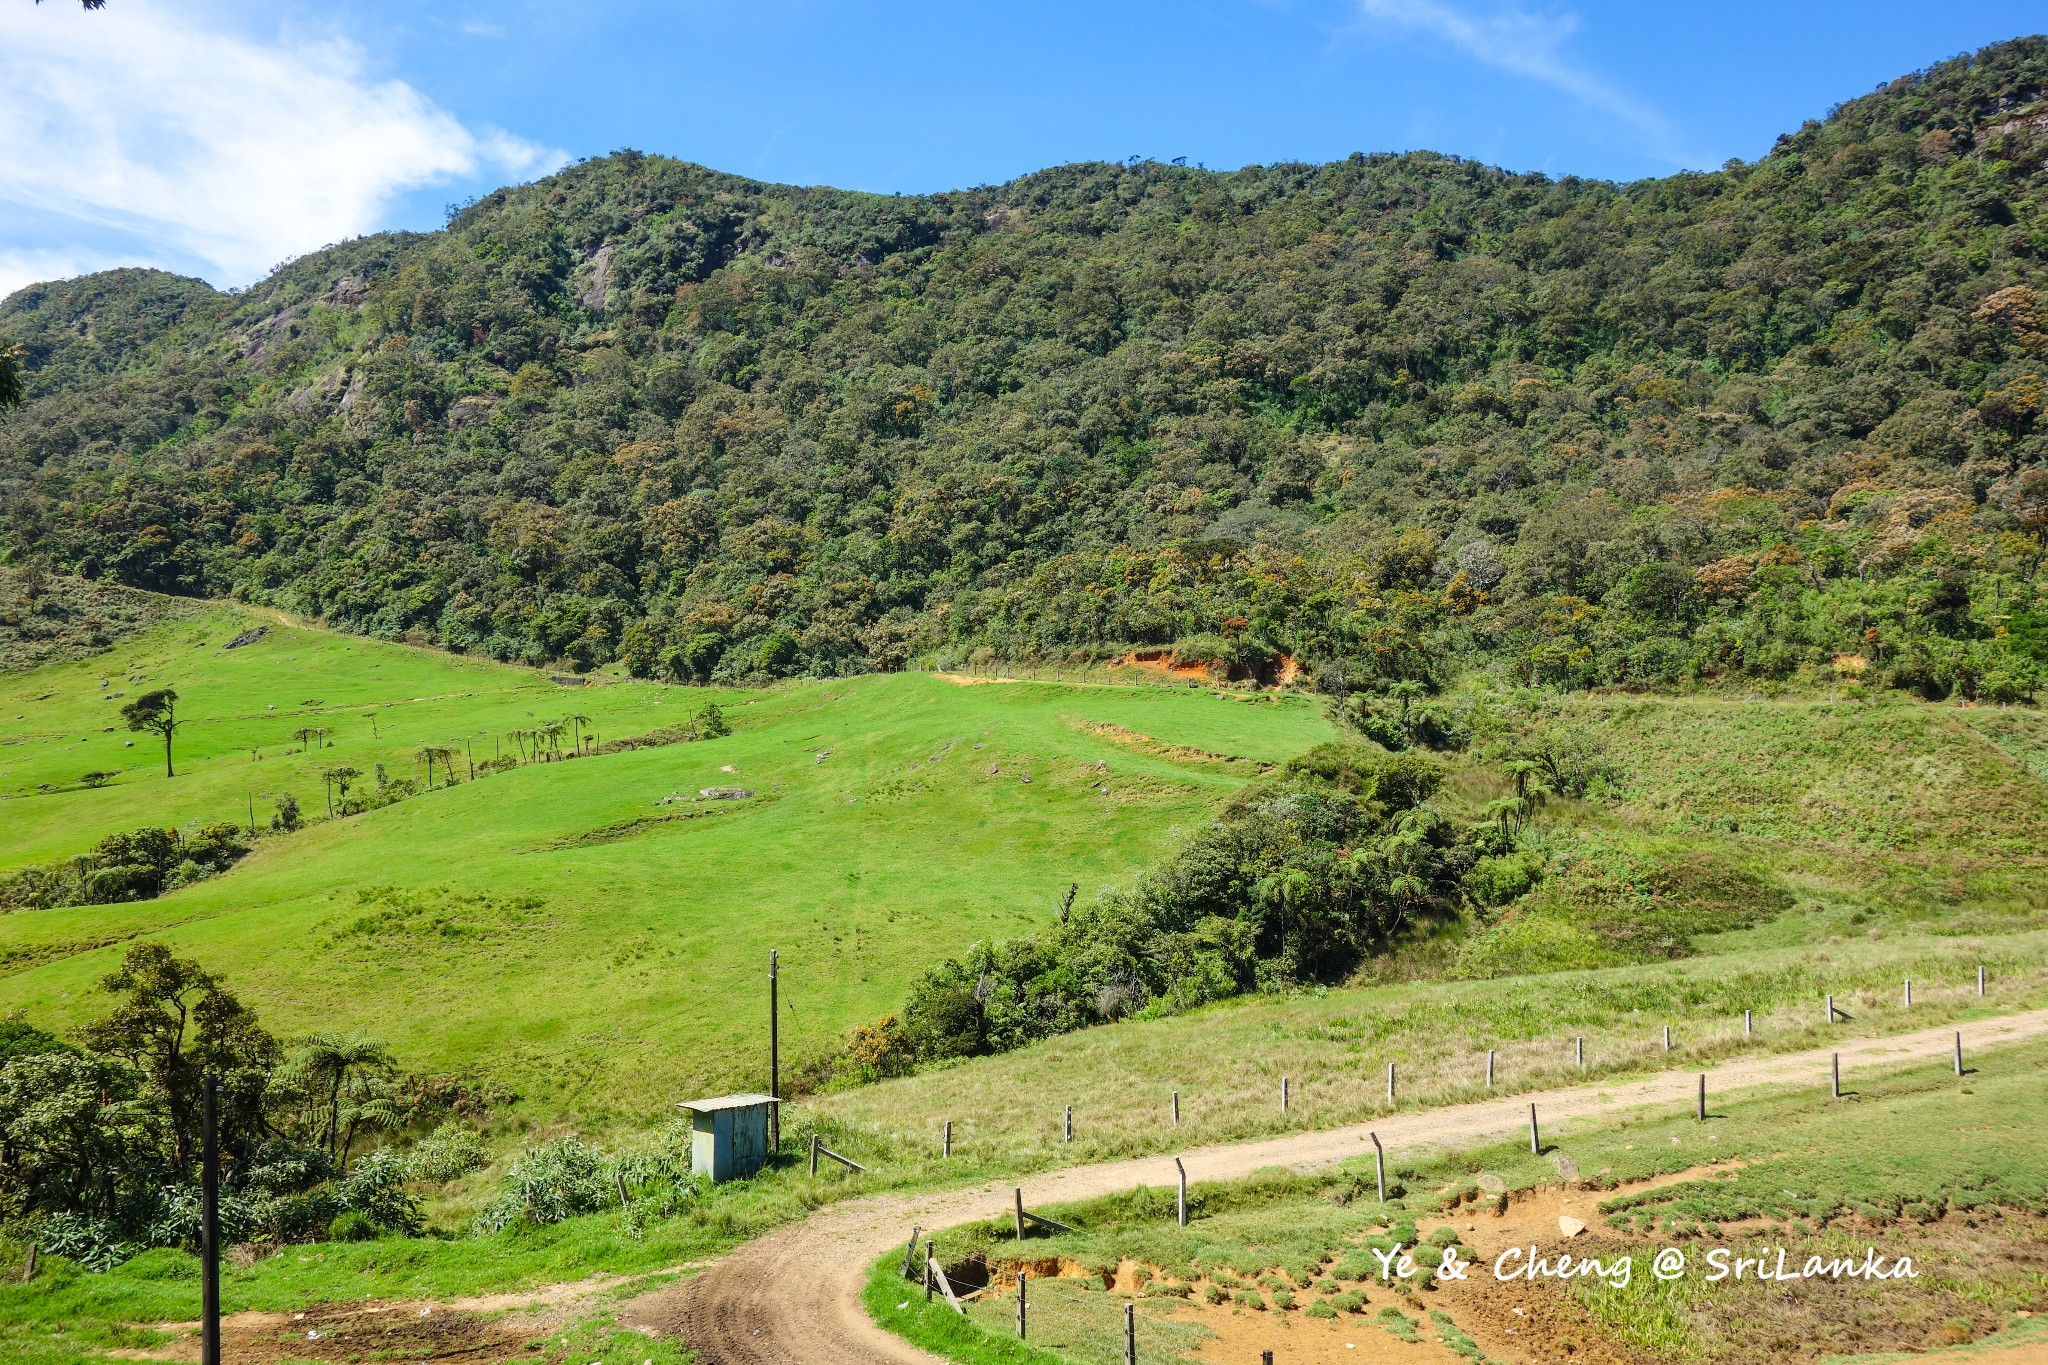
729 1135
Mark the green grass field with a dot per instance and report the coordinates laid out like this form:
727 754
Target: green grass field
545 927
553 929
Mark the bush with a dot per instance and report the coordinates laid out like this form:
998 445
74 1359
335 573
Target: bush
1498 880
352 1226
550 1183
454 1150
94 1243
375 1188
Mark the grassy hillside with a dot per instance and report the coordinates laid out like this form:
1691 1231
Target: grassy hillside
552 927
1792 848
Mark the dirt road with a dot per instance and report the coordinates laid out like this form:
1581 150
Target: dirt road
793 1296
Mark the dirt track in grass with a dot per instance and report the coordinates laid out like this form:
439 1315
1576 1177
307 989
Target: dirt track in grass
793 1296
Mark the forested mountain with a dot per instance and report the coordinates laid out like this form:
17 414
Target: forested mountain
1398 413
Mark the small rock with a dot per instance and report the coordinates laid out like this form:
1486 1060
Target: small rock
1570 1226
727 768
1027 777
1567 1169
724 793
1492 1184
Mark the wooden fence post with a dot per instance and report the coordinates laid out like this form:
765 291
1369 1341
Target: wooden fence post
1180 1202
1021 1277
209 1224
1667 1037
1836 1073
1703 1097
814 1154
1390 1083
1130 1334
1283 1096
1019 1192
1980 980
1176 1108
1070 1123
1748 1028
1535 1144
946 1141
910 1251
1580 1047
1831 1009
1959 1052
1379 1164
1909 994
1489 1068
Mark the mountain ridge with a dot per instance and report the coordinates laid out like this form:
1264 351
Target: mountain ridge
1397 414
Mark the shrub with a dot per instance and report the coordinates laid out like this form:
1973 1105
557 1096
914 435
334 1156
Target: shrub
352 1226
375 1188
454 1150
550 1183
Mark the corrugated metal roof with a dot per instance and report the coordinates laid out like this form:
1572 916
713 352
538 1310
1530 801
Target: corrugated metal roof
727 1102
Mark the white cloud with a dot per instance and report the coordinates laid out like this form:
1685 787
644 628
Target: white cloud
145 129
22 266
1529 45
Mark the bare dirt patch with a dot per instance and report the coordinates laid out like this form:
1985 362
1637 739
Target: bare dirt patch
1145 744
1162 662
355 1332
486 1327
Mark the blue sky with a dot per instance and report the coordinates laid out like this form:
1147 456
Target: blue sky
217 138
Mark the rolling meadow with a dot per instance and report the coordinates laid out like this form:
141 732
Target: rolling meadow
551 927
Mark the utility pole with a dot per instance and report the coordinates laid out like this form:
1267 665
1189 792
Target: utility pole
774 1059
209 1226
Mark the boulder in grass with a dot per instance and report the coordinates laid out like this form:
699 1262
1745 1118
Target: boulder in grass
725 793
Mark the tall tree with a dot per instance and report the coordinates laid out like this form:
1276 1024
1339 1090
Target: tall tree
156 712
176 1024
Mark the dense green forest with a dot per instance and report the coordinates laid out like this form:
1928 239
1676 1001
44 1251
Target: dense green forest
1397 416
